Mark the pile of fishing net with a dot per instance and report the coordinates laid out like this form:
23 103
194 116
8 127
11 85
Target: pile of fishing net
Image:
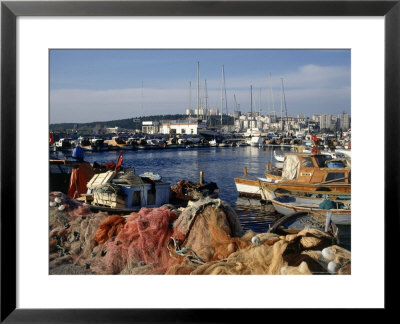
214 244
72 227
204 238
308 252
207 230
140 247
185 190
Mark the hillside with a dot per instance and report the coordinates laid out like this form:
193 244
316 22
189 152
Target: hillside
129 123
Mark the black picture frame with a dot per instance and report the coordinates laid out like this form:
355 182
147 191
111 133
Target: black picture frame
10 10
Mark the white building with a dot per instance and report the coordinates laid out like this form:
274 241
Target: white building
327 122
110 130
182 126
214 112
344 121
150 127
316 118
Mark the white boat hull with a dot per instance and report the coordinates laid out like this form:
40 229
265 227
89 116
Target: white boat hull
248 190
251 187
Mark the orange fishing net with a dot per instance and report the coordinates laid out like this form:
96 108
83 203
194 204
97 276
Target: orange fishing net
109 228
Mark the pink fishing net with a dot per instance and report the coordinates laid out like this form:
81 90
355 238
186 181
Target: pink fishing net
141 244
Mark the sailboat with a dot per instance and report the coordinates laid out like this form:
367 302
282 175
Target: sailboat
255 133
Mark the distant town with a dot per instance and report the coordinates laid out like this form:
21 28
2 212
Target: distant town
197 121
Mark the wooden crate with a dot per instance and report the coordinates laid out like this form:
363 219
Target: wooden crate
108 199
100 179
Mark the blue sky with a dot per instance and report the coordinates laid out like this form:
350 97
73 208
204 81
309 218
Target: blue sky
100 85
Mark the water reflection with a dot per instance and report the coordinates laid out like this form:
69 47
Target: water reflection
253 215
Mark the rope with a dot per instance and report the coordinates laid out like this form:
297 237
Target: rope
185 252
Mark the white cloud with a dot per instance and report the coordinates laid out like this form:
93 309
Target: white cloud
310 89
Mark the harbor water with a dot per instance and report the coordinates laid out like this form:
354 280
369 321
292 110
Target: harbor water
220 165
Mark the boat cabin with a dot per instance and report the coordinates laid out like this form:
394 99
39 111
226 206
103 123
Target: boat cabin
64 143
315 169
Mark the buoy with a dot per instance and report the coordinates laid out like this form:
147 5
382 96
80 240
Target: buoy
61 207
57 200
332 267
53 204
255 240
328 254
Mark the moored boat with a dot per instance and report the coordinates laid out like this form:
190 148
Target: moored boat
65 144
310 173
341 211
249 187
257 141
118 143
226 143
295 222
213 143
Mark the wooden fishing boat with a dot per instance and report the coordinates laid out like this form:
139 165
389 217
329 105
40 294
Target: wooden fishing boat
226 143
298 221
92 144
118 143
248 186
310 173
286 205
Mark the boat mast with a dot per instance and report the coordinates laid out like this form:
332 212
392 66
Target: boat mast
190 98
198 89
206 95
251 106
283 100
281 106
235 110
222 93
226 99
271 95
141 98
